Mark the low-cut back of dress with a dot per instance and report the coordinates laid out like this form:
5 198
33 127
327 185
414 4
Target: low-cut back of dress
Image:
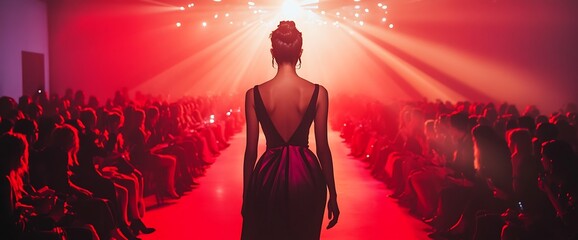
286 195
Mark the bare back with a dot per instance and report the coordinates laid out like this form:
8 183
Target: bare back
286 103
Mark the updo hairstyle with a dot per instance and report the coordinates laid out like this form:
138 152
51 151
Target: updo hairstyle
286 42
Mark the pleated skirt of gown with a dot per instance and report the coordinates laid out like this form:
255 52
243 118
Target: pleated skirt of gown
286 196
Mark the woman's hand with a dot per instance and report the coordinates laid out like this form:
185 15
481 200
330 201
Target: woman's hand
332 212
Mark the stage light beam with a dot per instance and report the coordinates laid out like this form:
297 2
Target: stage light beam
291 10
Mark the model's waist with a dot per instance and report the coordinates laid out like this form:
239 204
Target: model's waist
275 147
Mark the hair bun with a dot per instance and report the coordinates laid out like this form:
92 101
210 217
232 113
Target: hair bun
286 42
286 32
286 26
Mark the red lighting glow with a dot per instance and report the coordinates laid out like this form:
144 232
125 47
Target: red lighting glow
378 46
406 50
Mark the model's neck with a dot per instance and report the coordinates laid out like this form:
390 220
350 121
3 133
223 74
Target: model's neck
286 69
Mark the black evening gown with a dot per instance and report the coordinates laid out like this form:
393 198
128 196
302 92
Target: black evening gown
287 192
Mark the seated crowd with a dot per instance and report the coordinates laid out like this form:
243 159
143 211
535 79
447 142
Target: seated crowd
76 169
471 170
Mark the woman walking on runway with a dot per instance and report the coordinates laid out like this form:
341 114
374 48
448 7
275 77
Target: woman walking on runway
285 193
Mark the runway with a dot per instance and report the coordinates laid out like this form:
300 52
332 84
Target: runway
213 210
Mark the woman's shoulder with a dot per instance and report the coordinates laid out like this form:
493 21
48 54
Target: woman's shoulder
249 93
322 89
265 85
310 83
322 94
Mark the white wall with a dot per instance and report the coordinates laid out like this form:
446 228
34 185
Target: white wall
23 27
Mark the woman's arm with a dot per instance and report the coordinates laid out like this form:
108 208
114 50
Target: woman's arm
323 151
252 139
324 154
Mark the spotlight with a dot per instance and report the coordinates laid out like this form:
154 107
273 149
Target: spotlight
178 24
204 24
383 19
182 8
391 25
290 9
251 3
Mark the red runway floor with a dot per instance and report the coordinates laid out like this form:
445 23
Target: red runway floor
212 211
